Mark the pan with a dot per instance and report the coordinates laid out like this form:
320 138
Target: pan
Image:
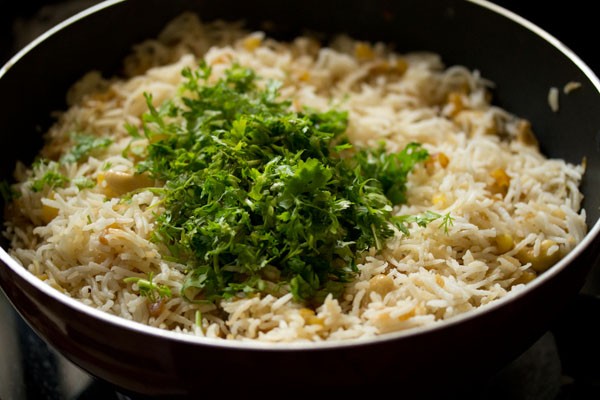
521 59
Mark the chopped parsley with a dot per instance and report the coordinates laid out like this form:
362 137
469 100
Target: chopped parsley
47 172
422 220
84 146
260 198
50 175
147 288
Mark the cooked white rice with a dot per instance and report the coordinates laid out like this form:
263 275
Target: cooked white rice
515 211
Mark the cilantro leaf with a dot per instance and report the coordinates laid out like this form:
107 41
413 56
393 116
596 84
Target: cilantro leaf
84 145
259 198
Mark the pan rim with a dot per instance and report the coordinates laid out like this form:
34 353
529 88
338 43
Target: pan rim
190 339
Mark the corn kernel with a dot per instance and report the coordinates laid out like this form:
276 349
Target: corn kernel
439 158
443 160
382 284
525 277
304 76
310 318
306 313
406 316
48 213
399 66
504 243
455 100
501 181
224 58
103 240
381 67
252 42
525 134
363 51
104 96
119 183
439 280
542 261
439 199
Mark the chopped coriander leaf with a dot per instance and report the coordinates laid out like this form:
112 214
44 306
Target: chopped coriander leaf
259 198
447 222
149 289
392 170
50 178
84 183
84 145
46 172
422 220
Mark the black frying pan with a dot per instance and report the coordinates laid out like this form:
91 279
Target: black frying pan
523 61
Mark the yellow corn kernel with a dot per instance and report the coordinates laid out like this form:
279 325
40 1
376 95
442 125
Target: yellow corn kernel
406 316
439 158
252 42
363 51
525 277
306 313
439 199
524 133
443 160
103 240
504 243
304 76
381 284
382 319
399 66
543 260
119 183
102 237
310 318
455 99
439 280
501 181
430 164
223 58
380 67
48 213
103 96
396 67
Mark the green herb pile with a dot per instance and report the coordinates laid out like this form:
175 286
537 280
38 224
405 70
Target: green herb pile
261 198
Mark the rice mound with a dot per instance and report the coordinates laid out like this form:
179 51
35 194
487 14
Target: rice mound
515 212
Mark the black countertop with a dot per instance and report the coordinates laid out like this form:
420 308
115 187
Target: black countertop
562 365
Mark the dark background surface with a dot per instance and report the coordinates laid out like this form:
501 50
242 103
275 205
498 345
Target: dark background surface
563 365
